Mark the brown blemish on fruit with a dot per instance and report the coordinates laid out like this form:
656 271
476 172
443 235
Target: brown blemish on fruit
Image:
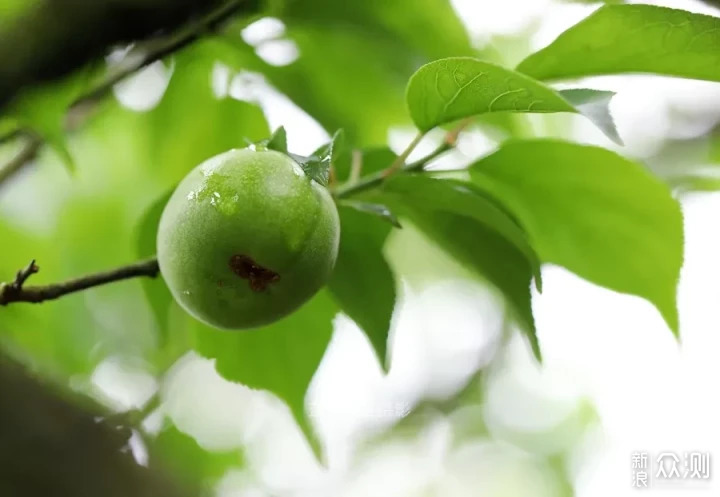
258 276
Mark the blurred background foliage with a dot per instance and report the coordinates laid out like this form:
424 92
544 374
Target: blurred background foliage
343 65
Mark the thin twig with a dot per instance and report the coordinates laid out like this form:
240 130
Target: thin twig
420 164
332 176
150 406
452 135
134 417
162 47
156 49
27 154
54 38
22 275
373 180
10 135
355 166
399 162
16 291
448 143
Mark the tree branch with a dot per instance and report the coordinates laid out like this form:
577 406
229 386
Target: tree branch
54 37
16 291
145 54
26 154
10 135
156 49
58 442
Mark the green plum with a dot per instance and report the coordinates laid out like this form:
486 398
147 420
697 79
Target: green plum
247 238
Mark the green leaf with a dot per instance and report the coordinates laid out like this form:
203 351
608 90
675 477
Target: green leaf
172 336
480 249
277 141
459 87
465 199
362 282
364 98
156 291
191 124
8 126
595 105
632 39
594 212
43 109
332 149
281 358
442 32
10 10
317 170
188 463
318 165
378 210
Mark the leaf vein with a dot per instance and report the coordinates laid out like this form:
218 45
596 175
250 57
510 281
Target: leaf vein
460 90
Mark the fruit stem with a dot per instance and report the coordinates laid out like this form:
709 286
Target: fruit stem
376 179
399 162
397 166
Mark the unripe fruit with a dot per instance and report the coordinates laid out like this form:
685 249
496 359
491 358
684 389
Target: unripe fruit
247 238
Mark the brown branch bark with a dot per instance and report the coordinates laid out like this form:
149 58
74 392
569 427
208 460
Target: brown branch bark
16 291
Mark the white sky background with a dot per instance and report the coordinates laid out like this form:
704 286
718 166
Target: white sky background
651 393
